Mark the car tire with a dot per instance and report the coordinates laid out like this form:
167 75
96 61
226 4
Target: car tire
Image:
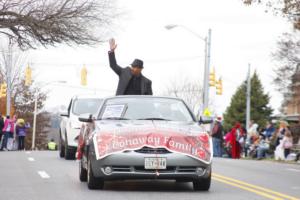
202 184
82 172
61 148
92 181
69 151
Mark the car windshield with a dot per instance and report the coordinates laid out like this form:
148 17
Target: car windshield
145 108
88 105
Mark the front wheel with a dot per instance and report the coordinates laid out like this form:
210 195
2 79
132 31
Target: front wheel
202 184
92 181
82 172
61 149
69 151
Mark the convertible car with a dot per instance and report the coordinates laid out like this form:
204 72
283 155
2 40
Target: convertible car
144 137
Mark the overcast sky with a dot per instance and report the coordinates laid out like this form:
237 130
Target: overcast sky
240 35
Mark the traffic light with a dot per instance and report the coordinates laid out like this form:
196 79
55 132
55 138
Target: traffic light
28 76
83 76
219 87
212 78
3 90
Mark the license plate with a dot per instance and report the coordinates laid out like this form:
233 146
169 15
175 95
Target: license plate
155 163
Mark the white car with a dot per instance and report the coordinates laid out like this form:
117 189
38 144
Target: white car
70 125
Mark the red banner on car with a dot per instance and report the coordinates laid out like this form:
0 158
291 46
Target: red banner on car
197 146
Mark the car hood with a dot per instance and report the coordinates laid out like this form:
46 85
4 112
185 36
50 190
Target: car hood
112 136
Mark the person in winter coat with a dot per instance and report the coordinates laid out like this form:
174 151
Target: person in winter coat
1 126
252 135
8 131
217 136
131 80
21 129
283 128
270 129
234 138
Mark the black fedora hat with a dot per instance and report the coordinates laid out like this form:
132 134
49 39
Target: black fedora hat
137 63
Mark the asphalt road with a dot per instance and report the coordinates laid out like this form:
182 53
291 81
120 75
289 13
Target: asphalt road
44 176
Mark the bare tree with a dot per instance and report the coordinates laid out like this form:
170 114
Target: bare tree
188 90
49 22
287 57
288 8
24 104
22 96
11 53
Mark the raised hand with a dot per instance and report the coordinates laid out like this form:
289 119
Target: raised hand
112 44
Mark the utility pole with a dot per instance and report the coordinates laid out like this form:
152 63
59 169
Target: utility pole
206 71
8 78
207 41
248 106
34 122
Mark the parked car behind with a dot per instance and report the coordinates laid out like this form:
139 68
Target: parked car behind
70 125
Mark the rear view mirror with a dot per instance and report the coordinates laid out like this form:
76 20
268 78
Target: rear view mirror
64 114
86 118
205 120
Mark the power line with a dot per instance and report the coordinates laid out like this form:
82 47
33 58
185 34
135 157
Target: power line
102 64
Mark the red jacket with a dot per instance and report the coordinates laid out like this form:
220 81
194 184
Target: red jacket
236 148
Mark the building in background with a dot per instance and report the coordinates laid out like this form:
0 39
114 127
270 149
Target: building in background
291 107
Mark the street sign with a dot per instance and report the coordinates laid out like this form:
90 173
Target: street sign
206 112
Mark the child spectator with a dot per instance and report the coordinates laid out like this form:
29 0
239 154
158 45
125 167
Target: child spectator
287 143
263 147
21 132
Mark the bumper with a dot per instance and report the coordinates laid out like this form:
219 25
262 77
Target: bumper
130 165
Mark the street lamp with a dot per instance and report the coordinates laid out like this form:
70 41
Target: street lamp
35 112
207 41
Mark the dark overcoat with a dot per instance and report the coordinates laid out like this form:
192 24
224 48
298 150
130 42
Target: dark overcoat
125 76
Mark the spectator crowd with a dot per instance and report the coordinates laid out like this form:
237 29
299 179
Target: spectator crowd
12 133
275 140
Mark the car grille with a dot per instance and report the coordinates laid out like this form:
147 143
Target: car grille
121 168
149 150
170 169
186 169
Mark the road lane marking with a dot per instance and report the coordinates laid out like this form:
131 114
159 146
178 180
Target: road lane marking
254 187
43 174
248 189
292 169
31 159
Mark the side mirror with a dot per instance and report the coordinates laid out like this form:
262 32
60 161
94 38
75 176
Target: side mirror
86 118
64 114
205 120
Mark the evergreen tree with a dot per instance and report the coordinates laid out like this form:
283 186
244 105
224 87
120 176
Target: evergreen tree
260 109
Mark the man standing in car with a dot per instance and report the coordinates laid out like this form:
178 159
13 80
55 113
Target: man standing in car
131 80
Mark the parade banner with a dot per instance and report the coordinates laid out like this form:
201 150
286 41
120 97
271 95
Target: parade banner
197 146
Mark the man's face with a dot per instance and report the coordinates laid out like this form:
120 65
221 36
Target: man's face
136 70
